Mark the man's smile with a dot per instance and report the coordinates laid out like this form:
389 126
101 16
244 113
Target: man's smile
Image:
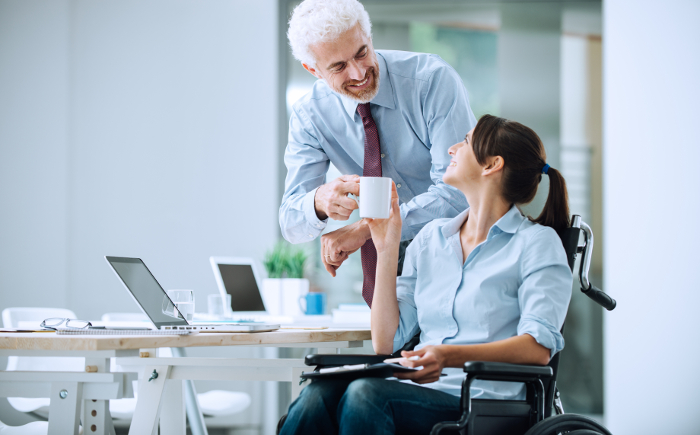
363 83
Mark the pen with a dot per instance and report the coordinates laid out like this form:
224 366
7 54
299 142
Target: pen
395 360
344 368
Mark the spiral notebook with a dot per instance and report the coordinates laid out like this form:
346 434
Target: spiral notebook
123 332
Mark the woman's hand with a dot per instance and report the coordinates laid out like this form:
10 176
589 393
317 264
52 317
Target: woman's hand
432 358
386 233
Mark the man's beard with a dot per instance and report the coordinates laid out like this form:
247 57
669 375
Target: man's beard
366 95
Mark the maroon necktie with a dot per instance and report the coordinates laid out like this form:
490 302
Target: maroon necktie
372 168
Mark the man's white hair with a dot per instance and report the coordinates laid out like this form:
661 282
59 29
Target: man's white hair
315 21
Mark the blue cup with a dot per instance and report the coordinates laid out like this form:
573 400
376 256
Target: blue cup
313 303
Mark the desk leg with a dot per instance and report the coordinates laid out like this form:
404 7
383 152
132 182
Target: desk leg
64 410
271 411
96 417
194 413
149 401
172 414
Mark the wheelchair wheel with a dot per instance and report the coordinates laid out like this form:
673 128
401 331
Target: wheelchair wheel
573 424
280 424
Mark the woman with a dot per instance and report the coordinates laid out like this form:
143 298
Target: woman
487 285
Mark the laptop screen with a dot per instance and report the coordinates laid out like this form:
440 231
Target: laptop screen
239 282
147 291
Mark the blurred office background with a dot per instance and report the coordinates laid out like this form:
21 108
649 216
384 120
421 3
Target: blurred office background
156 129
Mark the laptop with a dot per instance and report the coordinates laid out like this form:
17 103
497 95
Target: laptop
155 303
238 277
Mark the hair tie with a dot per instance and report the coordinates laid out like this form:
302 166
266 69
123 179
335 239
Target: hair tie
545 169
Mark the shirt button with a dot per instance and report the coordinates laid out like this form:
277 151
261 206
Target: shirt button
382 155
398 185
311 235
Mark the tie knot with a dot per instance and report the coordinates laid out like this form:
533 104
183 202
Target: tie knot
363 110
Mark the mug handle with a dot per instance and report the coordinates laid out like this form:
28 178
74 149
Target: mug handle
356 198
303 309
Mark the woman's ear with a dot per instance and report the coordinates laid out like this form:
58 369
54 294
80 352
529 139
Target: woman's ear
494 165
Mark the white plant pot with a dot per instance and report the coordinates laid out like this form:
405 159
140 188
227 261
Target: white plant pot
281 295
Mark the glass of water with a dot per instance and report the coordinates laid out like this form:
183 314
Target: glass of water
184 301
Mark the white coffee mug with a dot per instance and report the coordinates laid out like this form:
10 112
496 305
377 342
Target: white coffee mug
376 197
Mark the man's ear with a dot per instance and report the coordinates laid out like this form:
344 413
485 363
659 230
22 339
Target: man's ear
494 165
312 71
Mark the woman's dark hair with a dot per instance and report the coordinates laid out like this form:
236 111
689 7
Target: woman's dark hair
524 158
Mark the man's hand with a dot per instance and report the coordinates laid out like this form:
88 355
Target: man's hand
432 358
339 244
331 198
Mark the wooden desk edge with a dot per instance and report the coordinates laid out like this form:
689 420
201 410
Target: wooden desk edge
45 341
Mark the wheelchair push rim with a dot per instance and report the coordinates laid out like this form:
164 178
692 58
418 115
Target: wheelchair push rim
571 423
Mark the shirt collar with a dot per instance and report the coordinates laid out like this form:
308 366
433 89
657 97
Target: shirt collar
452 227
385 96
508 223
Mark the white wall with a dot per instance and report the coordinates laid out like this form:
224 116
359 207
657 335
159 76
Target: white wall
651 182
133 128
33 152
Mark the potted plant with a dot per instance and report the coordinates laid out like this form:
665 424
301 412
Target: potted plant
285 283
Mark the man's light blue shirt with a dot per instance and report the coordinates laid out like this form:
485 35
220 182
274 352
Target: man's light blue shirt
516 282
421 109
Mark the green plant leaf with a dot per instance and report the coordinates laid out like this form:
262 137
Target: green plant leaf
296 264
283 260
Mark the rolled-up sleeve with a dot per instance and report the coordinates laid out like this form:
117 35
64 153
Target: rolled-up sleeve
307 165
405 290
545 291
449 118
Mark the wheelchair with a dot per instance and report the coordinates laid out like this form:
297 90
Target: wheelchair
533 416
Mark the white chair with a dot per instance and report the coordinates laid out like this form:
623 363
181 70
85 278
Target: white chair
213 403
30 318
33 428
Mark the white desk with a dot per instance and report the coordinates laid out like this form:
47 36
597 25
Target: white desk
91 391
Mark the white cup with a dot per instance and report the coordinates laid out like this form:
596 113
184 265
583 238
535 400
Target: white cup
376 197
218 306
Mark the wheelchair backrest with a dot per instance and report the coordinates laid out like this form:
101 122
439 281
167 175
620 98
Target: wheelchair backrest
569 239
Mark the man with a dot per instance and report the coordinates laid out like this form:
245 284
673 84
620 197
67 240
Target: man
376 113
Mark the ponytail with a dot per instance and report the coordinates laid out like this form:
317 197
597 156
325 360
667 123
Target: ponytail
524 163
556 210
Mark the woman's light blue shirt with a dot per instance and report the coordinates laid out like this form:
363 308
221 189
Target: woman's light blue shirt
516 282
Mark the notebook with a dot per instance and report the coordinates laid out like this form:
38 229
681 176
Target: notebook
122 332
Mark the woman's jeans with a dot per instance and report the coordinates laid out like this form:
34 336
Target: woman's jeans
369 406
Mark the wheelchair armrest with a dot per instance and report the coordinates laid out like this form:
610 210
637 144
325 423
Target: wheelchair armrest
498 371
327 360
